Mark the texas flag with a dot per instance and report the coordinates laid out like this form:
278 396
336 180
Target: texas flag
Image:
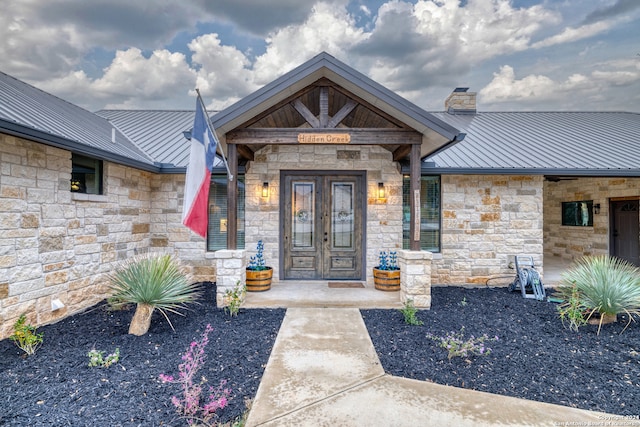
195 213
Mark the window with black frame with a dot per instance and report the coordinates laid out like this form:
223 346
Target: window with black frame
86 174
429 213
217 229
579 213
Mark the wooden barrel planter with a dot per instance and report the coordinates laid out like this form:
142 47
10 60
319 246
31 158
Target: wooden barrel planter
386 280
259 280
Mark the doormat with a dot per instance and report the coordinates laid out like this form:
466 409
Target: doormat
346 285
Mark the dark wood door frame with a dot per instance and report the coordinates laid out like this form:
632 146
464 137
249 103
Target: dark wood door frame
323 173
625 243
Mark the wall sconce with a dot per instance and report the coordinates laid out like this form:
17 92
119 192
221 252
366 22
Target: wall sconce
265 189
381 190
596 208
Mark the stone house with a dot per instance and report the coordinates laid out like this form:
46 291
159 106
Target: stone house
331 169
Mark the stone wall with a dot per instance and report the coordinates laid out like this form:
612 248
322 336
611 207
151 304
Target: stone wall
55 244
168 234
384 217
571 243
486 221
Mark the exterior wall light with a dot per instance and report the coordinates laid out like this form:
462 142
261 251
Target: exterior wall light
381 193
265 189
596 208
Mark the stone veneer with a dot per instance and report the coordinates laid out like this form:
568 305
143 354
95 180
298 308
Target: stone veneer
262 216
571 243
55 244
486 221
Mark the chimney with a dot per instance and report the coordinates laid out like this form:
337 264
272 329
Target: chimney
461 102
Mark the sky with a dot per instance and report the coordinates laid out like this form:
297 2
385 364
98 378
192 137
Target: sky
518 55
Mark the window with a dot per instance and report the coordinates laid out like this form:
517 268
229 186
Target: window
86 174
429 213
217 231
578 213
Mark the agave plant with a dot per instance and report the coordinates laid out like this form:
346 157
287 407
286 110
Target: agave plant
152 282
605 285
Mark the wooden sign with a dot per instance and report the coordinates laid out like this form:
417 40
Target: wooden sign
324 138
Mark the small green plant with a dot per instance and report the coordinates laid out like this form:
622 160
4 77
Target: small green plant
25 336
96 358
464 302
572 310
152 282
604 285
457 346
234 299
409 312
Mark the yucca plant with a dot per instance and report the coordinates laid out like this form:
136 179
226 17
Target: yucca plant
605 285
152 282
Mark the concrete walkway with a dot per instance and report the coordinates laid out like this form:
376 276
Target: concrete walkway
324 371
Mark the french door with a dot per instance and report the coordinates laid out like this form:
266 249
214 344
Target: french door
322 225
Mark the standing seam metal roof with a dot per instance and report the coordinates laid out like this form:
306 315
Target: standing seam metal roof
604 141
25 109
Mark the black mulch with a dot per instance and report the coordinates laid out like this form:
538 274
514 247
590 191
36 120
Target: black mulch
535 357
55 387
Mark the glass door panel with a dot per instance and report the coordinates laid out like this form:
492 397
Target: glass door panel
303 214
342 215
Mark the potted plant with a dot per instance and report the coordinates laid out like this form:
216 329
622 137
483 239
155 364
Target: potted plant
386 275
258 274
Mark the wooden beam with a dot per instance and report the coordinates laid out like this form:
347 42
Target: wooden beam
414 198
245 152
306 113
344 112
232 198
359 136
324 106
401 152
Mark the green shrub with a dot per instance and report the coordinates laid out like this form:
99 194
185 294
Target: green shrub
409 312
152 282
25 336
234 299
604 285
572 310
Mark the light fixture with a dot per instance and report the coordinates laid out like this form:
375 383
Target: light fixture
265 189
596 208
380 190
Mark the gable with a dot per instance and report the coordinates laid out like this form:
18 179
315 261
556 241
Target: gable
349 100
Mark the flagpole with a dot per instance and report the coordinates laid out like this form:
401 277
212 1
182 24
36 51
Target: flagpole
224 159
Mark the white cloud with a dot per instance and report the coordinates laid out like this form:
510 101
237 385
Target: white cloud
577 91
225 75
569 34
130 81
328 28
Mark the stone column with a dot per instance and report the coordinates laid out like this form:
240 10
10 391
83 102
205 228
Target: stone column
230 269
415 277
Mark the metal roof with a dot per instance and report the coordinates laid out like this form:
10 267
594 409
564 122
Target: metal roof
158 133
604 143
31 113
